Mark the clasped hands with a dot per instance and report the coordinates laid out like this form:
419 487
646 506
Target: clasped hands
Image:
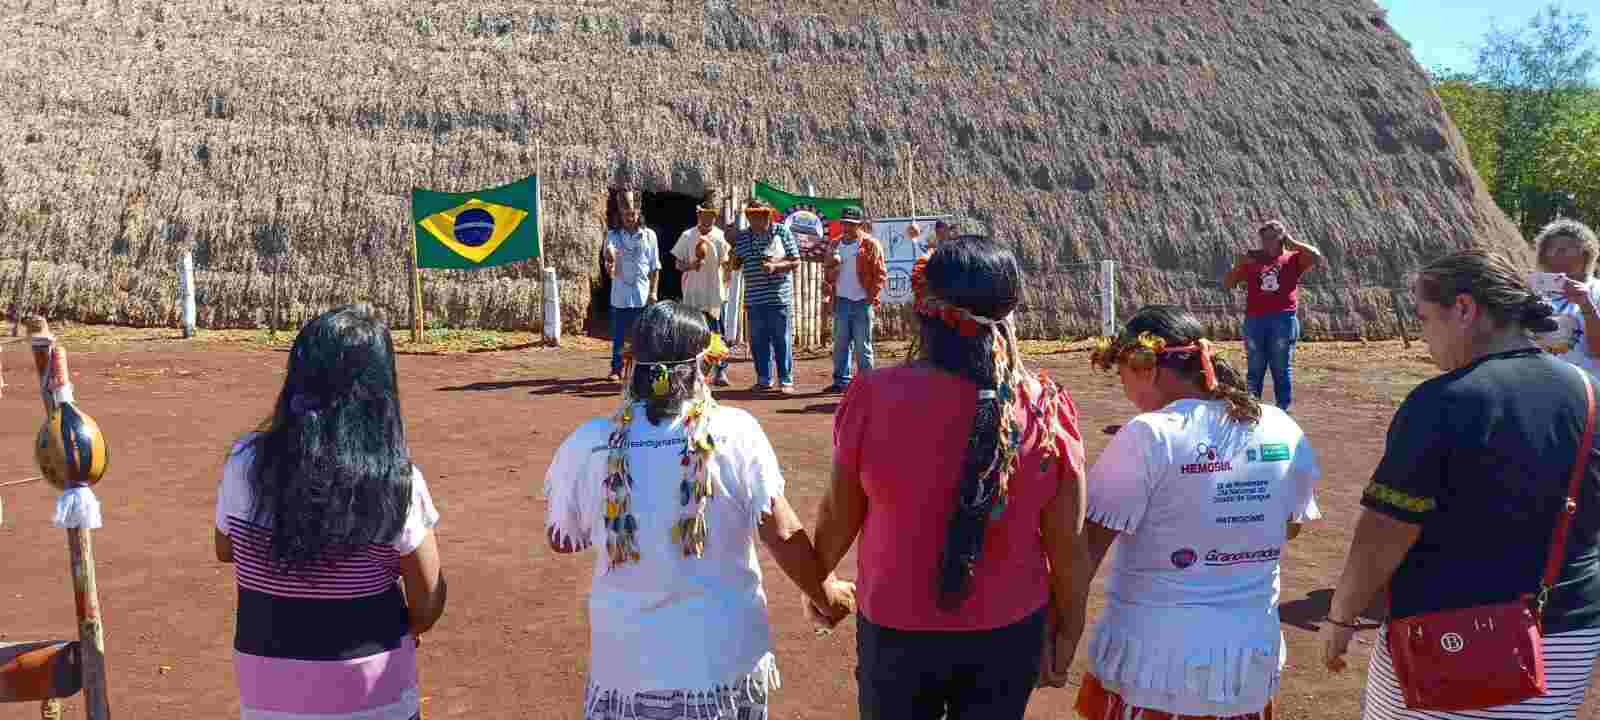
841 598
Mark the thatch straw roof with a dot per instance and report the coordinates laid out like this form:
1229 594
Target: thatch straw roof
1156 134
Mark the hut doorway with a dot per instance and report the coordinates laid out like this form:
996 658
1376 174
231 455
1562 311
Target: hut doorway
669 214
666 213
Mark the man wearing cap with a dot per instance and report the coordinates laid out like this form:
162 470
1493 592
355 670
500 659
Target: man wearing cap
767 253
854 274
702 254
634 263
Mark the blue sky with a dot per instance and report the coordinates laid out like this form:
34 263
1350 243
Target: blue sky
1442 31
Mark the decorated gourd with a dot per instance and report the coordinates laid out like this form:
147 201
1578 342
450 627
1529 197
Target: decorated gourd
70 450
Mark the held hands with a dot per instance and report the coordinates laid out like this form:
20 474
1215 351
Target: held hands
841 597
1335 643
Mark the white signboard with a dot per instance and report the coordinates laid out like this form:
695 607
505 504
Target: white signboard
900 253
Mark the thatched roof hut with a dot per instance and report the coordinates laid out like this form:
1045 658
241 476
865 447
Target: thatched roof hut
1155 134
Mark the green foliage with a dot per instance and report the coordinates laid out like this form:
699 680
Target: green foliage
1570 160
1526 102
1478 114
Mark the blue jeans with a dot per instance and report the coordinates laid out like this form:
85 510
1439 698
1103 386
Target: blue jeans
1269 342
622 320
852 332
771 326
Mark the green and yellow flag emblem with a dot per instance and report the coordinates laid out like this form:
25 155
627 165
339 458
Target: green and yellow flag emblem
477 229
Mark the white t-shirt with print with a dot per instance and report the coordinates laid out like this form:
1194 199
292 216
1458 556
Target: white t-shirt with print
1568 341
703 289
1202 504
670 622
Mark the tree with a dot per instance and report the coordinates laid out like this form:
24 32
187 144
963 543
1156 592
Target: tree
1477 112
1535 72
1570 161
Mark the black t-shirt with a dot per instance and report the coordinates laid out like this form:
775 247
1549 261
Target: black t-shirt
1480 458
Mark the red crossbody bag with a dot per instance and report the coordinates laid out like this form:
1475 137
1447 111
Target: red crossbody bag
1482 657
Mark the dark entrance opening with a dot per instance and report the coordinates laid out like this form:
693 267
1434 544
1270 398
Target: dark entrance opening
666 213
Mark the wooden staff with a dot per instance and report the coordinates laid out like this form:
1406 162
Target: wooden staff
50 360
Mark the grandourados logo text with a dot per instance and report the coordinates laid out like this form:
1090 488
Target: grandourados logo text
1217 557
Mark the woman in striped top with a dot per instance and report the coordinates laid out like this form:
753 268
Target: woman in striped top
322 513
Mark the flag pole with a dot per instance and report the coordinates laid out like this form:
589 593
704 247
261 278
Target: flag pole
416 283
538 197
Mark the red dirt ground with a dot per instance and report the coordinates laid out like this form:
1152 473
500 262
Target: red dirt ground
513 642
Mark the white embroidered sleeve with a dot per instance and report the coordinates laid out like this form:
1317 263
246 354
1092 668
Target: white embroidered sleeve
760 466
1304 472
233 492
563 490
1121 480
421 518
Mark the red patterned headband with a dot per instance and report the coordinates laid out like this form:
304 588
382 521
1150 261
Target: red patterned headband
960 319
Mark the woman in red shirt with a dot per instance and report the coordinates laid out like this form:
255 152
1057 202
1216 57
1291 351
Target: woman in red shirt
963 474
1271 276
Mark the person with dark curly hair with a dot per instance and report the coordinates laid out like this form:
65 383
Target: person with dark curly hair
324 514
1475 472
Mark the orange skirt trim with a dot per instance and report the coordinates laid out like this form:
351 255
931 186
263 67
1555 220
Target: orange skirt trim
1095 702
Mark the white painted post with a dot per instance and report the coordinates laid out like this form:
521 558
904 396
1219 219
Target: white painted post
552 307
186 287
1108 297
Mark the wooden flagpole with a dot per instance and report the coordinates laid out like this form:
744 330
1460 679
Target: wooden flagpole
416 280
80 544
538 198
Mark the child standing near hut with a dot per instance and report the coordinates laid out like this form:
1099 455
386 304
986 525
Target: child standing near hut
322 514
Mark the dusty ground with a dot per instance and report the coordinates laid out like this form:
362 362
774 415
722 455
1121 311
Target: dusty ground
483 424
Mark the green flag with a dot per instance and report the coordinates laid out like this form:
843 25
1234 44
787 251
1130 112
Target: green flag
825 207
478 229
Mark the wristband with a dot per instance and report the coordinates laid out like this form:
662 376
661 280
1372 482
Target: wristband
1345 625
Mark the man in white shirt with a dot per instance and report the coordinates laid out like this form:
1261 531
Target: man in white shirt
634 263
855 273
705 272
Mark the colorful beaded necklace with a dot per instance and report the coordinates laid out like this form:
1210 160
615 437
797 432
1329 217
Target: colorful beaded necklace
700 481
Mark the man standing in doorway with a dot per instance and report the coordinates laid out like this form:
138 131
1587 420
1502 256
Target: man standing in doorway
1271 276
855 273
702 254
767 253
633 260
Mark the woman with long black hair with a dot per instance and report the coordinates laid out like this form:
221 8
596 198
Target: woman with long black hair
963 474
322 514
672 491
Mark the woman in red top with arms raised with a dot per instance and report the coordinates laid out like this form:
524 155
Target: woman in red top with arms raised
1271 276
963 474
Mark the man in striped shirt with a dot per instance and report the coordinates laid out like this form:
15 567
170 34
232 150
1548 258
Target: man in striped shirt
767 254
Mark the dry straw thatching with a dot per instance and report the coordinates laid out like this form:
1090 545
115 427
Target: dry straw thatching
1154 133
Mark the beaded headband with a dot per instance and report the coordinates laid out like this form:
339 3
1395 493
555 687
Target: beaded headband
1142 351
700 473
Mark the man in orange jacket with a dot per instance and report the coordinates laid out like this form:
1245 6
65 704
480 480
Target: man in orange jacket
855 273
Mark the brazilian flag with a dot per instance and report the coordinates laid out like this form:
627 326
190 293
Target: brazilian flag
479 229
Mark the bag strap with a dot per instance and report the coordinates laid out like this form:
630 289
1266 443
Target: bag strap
1558 540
